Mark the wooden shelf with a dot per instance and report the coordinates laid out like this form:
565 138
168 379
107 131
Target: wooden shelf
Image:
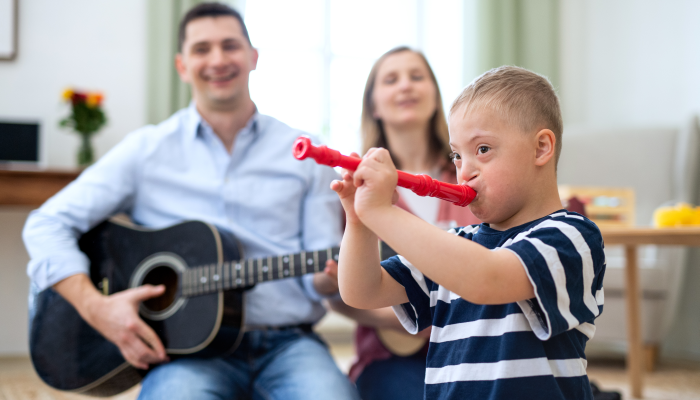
32 186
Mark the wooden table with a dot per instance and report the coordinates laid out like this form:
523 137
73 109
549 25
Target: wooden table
32 186
632 237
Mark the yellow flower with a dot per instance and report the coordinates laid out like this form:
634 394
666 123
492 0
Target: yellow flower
67 94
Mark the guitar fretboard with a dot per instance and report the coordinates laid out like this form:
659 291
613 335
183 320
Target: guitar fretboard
245 273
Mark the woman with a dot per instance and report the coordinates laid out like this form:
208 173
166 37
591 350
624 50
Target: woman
402 112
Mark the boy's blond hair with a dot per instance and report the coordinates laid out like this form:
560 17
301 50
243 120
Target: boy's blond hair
524 98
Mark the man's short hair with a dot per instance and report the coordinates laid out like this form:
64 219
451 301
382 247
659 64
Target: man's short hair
523 98
202 10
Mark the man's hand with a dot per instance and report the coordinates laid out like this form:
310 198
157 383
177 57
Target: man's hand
116 318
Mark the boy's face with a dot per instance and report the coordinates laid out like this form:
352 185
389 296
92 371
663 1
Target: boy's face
496 159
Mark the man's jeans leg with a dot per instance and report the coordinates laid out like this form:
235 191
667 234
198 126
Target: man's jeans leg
302 369
196 378
275 365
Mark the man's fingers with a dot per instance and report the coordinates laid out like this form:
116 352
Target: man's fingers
146 292
140 355
132 357
150 338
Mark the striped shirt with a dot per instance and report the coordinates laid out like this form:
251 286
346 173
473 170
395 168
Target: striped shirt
532 349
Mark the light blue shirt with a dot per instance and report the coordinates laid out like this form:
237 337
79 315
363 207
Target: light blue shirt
180 170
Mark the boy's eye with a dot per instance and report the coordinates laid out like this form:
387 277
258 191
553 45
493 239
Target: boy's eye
483 149
454 157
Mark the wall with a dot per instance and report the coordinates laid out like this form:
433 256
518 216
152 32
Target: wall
630 62
81 43
636 63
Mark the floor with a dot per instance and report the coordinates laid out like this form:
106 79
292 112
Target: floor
671 381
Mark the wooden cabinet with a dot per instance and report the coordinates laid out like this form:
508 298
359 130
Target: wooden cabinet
32 186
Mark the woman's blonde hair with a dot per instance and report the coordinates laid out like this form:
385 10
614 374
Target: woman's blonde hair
373 134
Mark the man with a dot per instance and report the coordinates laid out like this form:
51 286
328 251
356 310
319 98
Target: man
221 162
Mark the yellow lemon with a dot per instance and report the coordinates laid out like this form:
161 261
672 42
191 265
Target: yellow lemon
665 217
685 214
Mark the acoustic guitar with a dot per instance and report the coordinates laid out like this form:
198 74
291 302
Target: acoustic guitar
200 314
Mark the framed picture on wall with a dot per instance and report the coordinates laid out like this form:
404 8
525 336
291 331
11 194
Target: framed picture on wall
8 29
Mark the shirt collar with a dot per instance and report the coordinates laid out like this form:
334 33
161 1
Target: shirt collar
197 124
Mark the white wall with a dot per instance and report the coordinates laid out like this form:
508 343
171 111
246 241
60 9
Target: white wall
85 44
630 62
81 43
636 63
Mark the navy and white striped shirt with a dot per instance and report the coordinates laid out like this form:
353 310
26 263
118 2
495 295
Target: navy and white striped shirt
531 349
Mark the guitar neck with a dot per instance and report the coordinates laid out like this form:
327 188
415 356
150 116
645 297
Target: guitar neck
212 278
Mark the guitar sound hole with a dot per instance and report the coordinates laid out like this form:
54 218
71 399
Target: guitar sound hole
161 275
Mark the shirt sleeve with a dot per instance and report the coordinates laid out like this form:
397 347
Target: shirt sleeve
416 314
565 263
321 218
51 233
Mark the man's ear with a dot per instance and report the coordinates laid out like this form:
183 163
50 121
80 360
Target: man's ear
546 144
255 59
181 68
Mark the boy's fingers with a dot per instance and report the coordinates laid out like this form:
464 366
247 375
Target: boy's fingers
357 179
337 186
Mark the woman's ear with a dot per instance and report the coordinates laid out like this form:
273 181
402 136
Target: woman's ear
546 144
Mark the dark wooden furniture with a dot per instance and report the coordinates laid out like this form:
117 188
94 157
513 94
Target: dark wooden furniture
32 186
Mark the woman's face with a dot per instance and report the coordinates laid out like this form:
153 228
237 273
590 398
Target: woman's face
404 93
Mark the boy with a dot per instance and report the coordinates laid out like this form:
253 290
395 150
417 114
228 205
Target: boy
511 307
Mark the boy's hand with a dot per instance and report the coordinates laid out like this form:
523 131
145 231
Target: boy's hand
346 191
375 179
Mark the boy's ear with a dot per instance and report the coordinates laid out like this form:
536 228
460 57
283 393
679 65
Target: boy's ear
546 144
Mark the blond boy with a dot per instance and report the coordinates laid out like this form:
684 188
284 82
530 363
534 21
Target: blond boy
511 307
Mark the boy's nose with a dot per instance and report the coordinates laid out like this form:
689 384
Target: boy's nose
467 173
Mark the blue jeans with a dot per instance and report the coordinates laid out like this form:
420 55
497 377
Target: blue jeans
396 378
282 365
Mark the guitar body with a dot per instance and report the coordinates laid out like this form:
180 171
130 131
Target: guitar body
401 343
70 355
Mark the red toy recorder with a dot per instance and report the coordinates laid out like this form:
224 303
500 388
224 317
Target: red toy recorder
422 185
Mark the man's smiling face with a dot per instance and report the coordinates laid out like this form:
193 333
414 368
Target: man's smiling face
216 59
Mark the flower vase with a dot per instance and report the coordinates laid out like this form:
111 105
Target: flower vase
86 156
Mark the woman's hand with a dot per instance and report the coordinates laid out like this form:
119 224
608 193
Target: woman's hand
326 282
375 180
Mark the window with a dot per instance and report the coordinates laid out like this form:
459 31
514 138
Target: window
315 56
